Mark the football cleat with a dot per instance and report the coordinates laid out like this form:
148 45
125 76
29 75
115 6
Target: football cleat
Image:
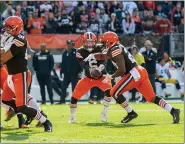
47 126
72 119
132 115
176 115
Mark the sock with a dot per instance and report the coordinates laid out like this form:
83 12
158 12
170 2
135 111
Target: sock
20 119
124 103
106 103
73 112
162 103
31 101
40 117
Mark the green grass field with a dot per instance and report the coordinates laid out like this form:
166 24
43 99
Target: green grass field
152 125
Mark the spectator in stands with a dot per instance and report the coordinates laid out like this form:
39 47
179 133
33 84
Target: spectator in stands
50 24
19 12
113 6
181 25
148 21
150 60
163 26
149 5
137 21
94 25
129 6
43 63
45 6
141 6
64 23
70 69
176 17
128 25
113 24
8 12
35 24
159 13
103 19
120 13
167 8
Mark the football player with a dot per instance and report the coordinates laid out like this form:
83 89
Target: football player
163 76
133 76
89 81
14 54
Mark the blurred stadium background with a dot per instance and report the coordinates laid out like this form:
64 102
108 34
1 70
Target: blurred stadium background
54 22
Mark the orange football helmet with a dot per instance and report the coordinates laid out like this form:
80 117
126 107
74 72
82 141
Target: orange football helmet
13 25
89 40
109 39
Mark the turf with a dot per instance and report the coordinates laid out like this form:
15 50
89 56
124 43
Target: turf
152 125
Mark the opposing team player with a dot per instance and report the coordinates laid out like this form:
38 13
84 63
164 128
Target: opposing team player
133 76
88 82
13 54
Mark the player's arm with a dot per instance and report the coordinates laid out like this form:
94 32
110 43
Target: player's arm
121 69
6 56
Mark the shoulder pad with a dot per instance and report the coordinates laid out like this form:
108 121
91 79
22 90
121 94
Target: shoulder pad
19 40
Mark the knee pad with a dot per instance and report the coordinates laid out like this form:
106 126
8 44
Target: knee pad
107 93
73 100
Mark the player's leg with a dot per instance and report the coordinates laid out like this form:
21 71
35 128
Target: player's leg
106 87
31 101
125 84
82 87
177 85
163 86
21 82
145 88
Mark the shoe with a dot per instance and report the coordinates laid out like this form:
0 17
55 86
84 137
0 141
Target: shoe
47 126
72 119
61 102
132 115
28 120
182 96
104 116
91 101
167 95
98 102
9 114
176 115
43 102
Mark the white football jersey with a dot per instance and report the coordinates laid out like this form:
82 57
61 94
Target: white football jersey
162 70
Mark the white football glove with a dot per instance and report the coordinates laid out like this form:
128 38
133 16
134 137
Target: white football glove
8 43
89 58
107 78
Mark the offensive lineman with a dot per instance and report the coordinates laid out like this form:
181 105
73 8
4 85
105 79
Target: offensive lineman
13 53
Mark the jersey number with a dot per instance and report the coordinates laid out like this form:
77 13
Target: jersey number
131 58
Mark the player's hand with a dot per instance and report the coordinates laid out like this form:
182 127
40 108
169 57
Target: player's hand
8 43
107 78
101 67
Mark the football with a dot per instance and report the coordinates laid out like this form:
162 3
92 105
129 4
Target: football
96 73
